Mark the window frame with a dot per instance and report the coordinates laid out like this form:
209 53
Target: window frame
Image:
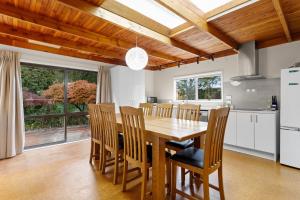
196 76
66 114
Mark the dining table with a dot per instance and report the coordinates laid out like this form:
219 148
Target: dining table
158 131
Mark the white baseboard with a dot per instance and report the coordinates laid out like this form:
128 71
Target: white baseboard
252 152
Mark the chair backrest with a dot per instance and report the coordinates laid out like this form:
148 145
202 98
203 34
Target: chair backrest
95 121
164 110
188 112
134 134
213 150
110 133
147 108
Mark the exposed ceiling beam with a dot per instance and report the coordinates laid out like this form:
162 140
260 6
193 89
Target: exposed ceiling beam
134 16
47 22
227 52
23 44
99 3
132 26
227 8
198 21
181 29
276 41
279 11
9 30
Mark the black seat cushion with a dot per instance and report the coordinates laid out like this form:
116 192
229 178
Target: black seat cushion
121 141
191 156
149 154
181 145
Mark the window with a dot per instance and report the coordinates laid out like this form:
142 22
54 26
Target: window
154 11
55 103
185 89
201 87
207 6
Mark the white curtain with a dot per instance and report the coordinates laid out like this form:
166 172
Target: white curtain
103 86
12 133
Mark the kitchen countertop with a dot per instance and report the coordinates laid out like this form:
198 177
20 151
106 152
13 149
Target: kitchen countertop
254 110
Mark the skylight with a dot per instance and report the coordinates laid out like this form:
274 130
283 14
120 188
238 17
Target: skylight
208 5
155 11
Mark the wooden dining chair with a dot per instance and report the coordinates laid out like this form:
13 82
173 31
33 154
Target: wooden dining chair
113 142
164 110
186 112
204 161
147 108
136 152
96 133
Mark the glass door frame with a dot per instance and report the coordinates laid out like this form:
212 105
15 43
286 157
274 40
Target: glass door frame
66 113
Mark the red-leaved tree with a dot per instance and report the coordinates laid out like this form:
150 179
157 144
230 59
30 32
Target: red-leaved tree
80 93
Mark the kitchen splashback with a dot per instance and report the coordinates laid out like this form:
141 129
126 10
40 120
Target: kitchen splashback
253 93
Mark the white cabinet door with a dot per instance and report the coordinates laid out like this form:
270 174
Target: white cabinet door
230 132
265 132
245 130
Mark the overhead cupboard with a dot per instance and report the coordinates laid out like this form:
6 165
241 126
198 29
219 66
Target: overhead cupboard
253 132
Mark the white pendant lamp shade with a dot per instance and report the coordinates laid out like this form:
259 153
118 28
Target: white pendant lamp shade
136 58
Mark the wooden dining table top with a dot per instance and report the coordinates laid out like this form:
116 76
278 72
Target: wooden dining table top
172 128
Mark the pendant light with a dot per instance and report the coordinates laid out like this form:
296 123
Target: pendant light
136 58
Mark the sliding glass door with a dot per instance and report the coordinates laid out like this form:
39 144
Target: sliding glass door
55 103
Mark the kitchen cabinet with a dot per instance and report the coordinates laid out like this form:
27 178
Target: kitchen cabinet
230 132
253 132
245 130
265 129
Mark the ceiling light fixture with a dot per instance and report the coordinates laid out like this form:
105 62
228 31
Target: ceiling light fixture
136 58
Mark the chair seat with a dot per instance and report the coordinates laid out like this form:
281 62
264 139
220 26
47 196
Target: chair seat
121 141
149 154
181 145
191 156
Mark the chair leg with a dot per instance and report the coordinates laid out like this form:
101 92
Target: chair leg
116 170
168 169
173 180
92 151
144 184
206 187
125 168
148 174
182 176
104 161
221 186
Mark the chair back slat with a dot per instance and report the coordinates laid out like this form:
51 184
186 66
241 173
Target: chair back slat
164 110
188 112
215 137
110 134
147 108
134 133
95 121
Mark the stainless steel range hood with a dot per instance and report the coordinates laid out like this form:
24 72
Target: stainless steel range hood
248 63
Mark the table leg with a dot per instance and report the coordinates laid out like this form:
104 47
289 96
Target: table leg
158 168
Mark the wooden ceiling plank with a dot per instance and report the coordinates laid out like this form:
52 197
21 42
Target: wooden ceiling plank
181 29
279 11
26 45
74 30
199 21
130 25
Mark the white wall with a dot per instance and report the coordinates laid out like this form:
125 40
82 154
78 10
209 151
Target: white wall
128 86
271 61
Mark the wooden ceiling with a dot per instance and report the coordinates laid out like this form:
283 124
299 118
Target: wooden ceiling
104 30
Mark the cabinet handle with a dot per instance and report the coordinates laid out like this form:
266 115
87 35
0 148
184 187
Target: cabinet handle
256 118
251 118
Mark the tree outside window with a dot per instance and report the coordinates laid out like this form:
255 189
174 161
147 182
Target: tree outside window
185 89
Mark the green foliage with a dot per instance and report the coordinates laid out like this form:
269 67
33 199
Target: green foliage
209 87
185 89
